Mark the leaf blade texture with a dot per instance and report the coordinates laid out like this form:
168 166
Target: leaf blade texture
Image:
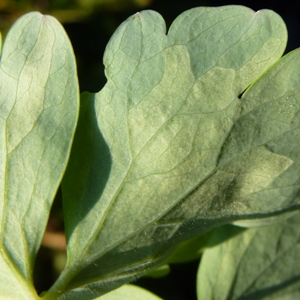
161 136
258 263
38 113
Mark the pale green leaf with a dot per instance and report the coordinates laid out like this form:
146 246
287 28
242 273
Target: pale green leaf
258 263
13 286
129 292
155 159
38 114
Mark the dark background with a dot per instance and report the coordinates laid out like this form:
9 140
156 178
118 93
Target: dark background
89 25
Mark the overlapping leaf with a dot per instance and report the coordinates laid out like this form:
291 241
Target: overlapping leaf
259 263
169 148
38 113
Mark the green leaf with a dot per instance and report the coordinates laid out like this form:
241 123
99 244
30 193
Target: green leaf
270 113
189 250
258 263
192 249
38 113
159 272
129 292
155 159
185 251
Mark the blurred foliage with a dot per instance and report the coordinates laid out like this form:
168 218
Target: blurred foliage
113 4
12 5
64 10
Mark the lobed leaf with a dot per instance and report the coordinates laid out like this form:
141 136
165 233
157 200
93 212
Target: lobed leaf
259 263
170 149
38 113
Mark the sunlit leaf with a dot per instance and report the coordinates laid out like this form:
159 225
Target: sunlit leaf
169 148
38 113
129 292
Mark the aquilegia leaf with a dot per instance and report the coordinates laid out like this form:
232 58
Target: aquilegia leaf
38 113
258 263
169 149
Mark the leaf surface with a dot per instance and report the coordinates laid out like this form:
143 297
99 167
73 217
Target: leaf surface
156 158
38 113
129 292
259 263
